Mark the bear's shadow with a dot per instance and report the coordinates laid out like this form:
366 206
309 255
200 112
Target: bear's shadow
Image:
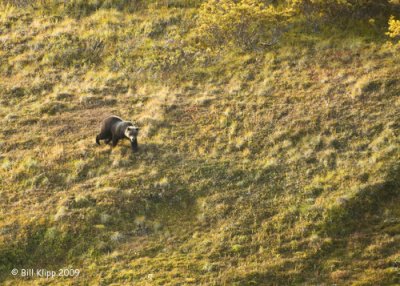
143 151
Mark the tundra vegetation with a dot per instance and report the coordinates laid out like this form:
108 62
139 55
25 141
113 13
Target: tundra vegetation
269 142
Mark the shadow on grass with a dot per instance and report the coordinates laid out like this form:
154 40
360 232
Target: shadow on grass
92 229
349 225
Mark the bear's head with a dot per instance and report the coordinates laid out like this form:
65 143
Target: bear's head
132 132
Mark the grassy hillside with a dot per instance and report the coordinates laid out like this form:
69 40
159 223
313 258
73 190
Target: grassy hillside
275 166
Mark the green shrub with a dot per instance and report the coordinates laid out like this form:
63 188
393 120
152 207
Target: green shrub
335 8
248 24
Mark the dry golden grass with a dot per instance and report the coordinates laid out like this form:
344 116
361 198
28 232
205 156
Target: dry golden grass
276 167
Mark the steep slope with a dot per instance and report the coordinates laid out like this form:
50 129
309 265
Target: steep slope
274 167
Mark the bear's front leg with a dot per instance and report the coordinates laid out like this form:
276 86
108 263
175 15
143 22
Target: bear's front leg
114 141
134 145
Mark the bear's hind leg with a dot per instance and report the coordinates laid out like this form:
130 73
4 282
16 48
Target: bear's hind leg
102 136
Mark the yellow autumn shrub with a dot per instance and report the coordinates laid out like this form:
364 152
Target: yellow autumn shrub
394 28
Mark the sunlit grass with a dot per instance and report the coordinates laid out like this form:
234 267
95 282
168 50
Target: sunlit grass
278 165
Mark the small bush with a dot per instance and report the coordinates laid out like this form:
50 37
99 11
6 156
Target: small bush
52 107
394 28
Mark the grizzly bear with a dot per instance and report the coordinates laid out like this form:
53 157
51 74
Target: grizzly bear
113 128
